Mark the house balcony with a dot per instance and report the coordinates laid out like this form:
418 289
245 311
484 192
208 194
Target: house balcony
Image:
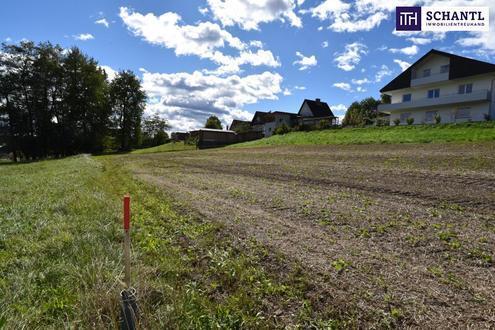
434 78
475 96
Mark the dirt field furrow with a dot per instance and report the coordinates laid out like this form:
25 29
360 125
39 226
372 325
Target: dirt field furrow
395 234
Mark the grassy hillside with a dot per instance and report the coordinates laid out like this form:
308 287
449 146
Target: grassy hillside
173 146
468 132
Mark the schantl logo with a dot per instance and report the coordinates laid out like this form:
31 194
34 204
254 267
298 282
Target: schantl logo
408 19
442 19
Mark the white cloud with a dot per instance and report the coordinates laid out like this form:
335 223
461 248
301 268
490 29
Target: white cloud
339 110
111 73
187 99
344 86
411 50
287 92
203 40
203 11
248 14
351 56
324 44
103 21
256 43
361 81
403 64
305 62
346 17
84 36
383 72
300 88
420 40
361 89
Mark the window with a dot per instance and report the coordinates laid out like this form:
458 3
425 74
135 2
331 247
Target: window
406 98
430 116
465 88
404 116
444 68
426 72
469 88
280 120
434 93
463 113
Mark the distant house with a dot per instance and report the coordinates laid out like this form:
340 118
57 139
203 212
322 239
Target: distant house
312 112
239 125
441 85
267 122
179 136
210 138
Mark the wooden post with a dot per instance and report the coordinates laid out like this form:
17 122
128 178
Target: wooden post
127 240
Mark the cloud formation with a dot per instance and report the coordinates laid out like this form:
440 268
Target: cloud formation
203 40
84 36
305 62
249 14
351 56
188 99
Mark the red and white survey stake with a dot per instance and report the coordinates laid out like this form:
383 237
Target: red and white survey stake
127 240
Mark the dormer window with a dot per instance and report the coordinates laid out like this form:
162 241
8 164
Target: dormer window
444 68
426 72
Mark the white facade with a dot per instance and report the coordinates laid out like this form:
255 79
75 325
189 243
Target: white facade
432 93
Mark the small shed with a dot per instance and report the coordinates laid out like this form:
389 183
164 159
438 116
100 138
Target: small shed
209 138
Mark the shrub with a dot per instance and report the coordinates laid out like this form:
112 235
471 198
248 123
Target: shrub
281 130
410 121
382 122
323 124
438 119
486 116
396 121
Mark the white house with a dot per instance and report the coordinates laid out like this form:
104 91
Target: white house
456 88
267 122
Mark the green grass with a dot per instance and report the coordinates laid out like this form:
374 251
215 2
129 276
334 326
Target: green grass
467 132
172 146
60 255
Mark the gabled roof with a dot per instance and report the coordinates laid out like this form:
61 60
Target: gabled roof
459 67
318 108
262 117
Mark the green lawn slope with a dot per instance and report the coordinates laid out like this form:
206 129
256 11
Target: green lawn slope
467 132
172 146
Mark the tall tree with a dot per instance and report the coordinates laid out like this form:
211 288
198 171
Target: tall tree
154 130
213 122
127 102
361 113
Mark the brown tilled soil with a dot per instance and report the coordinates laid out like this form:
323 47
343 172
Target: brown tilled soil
388 234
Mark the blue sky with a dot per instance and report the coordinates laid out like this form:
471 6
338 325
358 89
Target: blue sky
202 57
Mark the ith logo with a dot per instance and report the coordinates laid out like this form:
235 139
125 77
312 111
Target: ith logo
408 18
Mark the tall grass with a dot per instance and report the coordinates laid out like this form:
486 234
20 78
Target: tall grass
467 132
60 255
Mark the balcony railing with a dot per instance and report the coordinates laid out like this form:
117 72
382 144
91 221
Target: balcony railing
475 96
433 78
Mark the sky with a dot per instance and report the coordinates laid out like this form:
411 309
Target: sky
230 58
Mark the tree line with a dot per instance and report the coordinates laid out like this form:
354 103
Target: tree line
57 102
